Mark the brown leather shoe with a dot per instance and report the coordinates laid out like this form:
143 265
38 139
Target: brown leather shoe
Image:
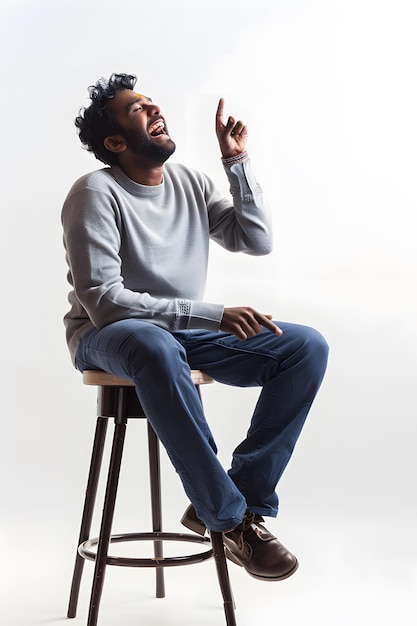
191 521
253 547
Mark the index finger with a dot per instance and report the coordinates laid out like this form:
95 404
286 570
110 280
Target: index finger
266 321
219 112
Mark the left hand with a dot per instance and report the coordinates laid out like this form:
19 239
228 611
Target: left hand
232 136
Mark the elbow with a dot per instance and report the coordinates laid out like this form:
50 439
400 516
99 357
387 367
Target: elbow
261 246
99 307
267 249
262 250
99 316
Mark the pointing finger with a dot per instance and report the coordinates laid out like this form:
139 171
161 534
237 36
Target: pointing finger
219 112
266 321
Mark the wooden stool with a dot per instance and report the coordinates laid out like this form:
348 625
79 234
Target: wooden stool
117 399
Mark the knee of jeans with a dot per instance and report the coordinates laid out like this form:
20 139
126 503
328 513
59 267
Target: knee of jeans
316 347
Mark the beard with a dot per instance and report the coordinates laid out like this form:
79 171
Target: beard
142 145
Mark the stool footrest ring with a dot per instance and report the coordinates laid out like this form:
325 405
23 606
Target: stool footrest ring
85 550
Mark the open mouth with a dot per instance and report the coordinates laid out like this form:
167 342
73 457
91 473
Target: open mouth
157 128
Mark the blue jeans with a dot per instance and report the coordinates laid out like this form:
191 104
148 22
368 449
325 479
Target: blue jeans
289 368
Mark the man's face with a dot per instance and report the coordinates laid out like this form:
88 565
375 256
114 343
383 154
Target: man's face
143 126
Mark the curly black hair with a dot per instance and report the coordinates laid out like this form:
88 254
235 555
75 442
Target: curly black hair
97 122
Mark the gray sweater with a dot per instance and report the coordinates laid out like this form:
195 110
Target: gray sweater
137 251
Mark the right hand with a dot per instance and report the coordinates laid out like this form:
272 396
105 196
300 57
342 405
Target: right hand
232 135
245 322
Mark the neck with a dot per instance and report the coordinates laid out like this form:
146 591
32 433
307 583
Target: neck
150 176
141 169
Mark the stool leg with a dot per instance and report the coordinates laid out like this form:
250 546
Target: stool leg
221 566
155 478
223 576
106 523
90 498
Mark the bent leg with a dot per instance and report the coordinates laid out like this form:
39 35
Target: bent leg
290 369
156 362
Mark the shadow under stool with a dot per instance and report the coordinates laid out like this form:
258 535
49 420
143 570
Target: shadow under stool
117 399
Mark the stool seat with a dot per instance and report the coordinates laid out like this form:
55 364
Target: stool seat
99 378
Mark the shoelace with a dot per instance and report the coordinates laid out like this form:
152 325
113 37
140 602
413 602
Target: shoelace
245 524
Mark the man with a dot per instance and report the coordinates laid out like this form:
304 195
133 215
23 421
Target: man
136 236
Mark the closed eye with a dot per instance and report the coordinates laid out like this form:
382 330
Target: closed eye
135 105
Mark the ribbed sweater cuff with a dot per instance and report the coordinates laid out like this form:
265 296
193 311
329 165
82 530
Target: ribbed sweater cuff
243 156
205 315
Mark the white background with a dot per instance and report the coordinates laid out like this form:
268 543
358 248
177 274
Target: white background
328 89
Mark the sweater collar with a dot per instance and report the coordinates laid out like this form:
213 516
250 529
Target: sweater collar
131 186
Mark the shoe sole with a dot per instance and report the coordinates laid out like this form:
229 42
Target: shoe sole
235 560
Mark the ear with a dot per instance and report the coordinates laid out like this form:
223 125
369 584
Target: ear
115 143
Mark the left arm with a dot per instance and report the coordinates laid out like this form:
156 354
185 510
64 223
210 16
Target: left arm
243 226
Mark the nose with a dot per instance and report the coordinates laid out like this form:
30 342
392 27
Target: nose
153 109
